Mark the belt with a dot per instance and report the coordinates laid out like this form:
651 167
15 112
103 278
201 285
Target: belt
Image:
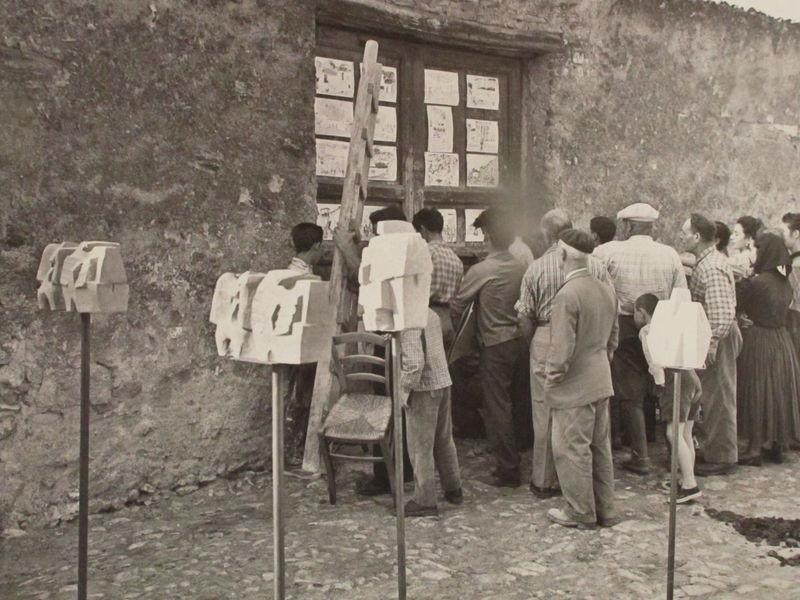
437 304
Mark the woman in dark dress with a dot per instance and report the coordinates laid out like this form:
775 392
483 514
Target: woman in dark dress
768 379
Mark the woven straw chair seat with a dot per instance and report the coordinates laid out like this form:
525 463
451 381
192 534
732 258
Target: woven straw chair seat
359 417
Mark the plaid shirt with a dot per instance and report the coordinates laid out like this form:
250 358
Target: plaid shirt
639 266
423 362
448 271
712 286
543 279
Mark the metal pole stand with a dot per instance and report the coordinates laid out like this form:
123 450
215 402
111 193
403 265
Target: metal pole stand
279 561
399 499
83 501
673 488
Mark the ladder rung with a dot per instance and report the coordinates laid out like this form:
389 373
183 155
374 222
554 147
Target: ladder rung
369 148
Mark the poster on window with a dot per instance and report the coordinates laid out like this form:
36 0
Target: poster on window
388 83
335 77
384 164
328 218
441 169
440 129
332 158
483 136
441 87
483 170
472 234
366 225
333 117
386 124
450 229
483 92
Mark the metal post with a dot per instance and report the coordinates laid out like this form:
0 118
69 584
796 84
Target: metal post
673 488
83 501
279 564
398 468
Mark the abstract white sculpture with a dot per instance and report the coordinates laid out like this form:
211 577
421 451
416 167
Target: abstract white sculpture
679 335
93 279
50 294
230 312
395 278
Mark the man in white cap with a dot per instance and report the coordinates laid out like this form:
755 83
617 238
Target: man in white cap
638 265
577 386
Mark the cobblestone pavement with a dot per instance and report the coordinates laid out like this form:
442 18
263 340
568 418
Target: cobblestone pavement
216 543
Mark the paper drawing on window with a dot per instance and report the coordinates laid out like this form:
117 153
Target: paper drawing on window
366 225
441 169
483 170
332 158
386 124
472 234
333 117
440 129
441 87
328 218
483 92
384 164
335 77
482 136
389 84
450 229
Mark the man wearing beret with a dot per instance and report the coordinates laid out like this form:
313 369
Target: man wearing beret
577 386
639 265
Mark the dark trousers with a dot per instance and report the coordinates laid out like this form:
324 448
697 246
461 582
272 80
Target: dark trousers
631 383
499 365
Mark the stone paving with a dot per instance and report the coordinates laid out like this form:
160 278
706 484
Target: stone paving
216 543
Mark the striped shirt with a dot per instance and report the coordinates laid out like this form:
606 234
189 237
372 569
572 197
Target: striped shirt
639 266
712 286
423 363
543 279
448 271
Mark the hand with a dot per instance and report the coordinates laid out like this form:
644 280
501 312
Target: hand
405 398
342 238
711 358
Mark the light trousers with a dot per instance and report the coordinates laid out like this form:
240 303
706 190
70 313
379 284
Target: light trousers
543 472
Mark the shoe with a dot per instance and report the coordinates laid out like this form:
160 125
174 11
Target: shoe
372 487
709 469
752 461
666 486
454 496
558 516
545 493
774 454
640 466
608 521
685 495
412 509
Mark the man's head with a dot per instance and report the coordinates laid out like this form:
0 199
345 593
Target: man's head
497 227
574 248
637 219
307 240
698 233
389 213
723 236
554 222
643 309
429 223
603 230
790 227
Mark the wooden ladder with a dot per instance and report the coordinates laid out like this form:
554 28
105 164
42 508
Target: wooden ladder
354 193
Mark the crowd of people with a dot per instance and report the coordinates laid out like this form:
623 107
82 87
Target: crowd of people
577 318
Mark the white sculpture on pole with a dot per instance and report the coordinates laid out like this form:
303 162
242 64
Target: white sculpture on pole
50 294
230 312
679 335
395 278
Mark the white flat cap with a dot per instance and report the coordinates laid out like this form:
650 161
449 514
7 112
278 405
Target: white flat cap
638 212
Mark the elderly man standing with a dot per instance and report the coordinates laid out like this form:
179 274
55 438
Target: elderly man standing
583 331
639 265
712 285
538 291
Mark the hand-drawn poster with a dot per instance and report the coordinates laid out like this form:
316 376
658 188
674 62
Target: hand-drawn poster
333 117
366 225
441 87
386 124
388 83
472 234
328 218
441 169
450 229
335 77
440 129
482 136
384 164
332 158
483 170
483 92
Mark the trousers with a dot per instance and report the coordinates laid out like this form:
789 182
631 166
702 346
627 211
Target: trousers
543 472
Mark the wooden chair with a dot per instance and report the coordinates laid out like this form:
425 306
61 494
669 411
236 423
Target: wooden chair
359 418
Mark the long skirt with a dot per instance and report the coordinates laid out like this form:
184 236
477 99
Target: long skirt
793 325
768 388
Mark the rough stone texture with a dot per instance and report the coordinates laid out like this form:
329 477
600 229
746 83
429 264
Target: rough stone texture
184 131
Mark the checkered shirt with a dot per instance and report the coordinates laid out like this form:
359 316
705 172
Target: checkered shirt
639 266
712 285
448 271
423 362
543 279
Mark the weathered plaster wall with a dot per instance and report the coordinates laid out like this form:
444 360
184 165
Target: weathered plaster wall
184 131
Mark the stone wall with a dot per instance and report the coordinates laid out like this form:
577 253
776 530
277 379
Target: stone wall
184 131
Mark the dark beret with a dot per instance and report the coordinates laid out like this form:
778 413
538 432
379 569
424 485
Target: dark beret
580 240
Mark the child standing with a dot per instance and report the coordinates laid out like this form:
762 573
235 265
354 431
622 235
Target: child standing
689 401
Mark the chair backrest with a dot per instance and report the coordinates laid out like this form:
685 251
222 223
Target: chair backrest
352 362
